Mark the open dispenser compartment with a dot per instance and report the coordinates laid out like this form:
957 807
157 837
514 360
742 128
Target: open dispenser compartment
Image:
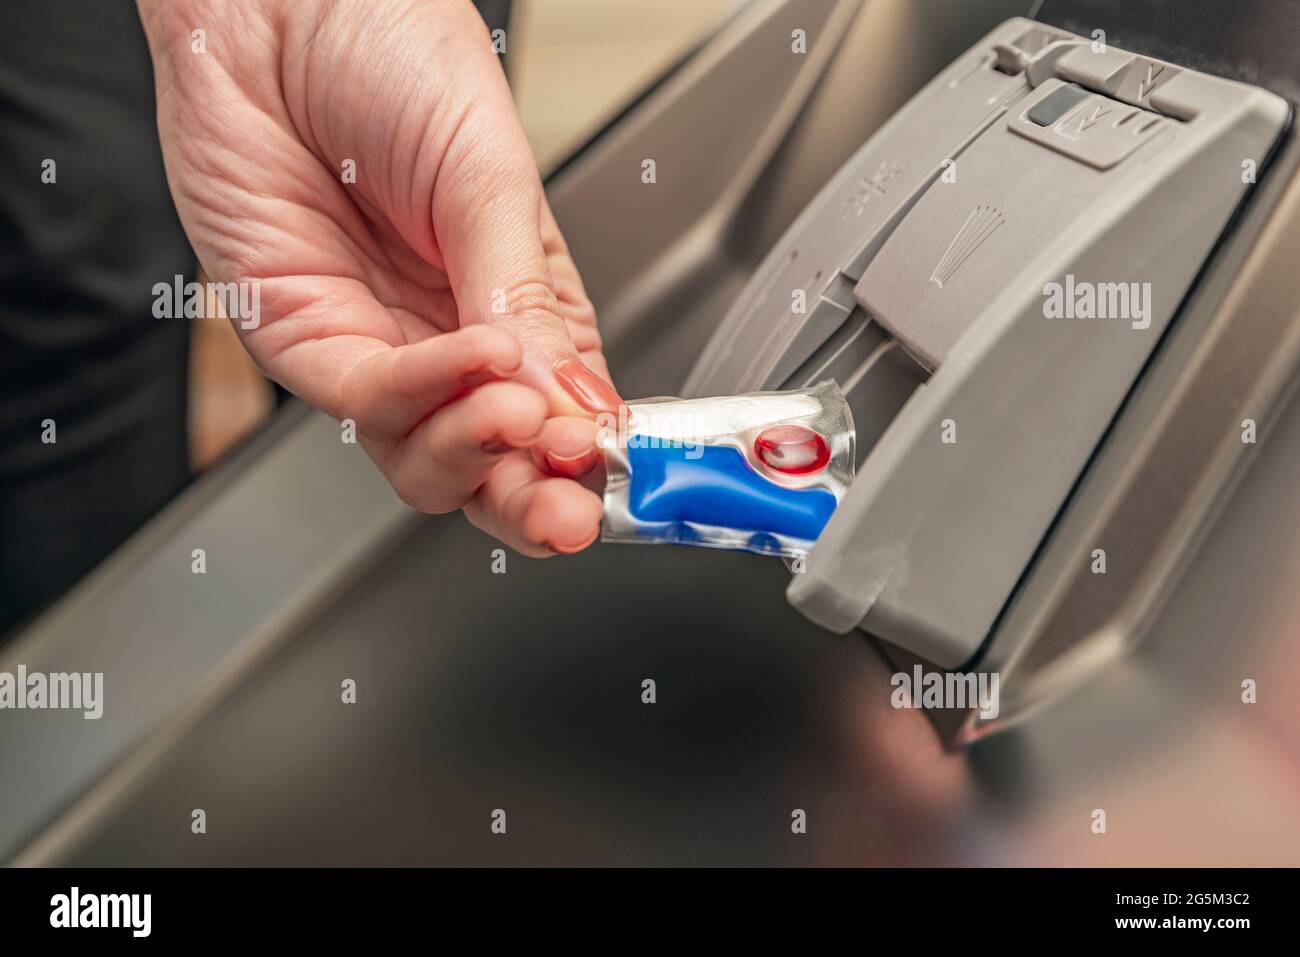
986 279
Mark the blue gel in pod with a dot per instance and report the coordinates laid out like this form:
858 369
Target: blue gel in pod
716 485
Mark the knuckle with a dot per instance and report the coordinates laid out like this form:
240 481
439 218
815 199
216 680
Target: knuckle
585 338
528 301
354 397
584 312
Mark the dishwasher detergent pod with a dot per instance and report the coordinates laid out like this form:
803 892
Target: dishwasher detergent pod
761 472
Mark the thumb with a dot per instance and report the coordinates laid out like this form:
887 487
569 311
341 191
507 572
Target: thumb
487 216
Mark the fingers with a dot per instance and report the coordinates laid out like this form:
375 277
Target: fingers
500 277
440 466
488 214
567 447
575 306
576 309
389 393
534 514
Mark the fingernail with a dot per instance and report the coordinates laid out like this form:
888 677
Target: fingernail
499 445
582 463
489 373
571 549
506 373
588 389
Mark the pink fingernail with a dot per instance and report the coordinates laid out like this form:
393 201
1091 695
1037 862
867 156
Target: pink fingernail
572 465
588 389
572 549
506 373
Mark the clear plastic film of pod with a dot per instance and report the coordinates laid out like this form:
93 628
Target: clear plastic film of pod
760 472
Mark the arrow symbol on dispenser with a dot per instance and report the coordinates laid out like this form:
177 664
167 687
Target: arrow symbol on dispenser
1145 86
1088 122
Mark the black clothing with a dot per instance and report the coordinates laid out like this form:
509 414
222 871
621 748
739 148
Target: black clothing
78 260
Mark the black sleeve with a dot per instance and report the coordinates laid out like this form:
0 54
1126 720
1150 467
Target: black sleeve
79 256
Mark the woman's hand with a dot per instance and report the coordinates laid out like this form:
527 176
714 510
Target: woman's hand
361 163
